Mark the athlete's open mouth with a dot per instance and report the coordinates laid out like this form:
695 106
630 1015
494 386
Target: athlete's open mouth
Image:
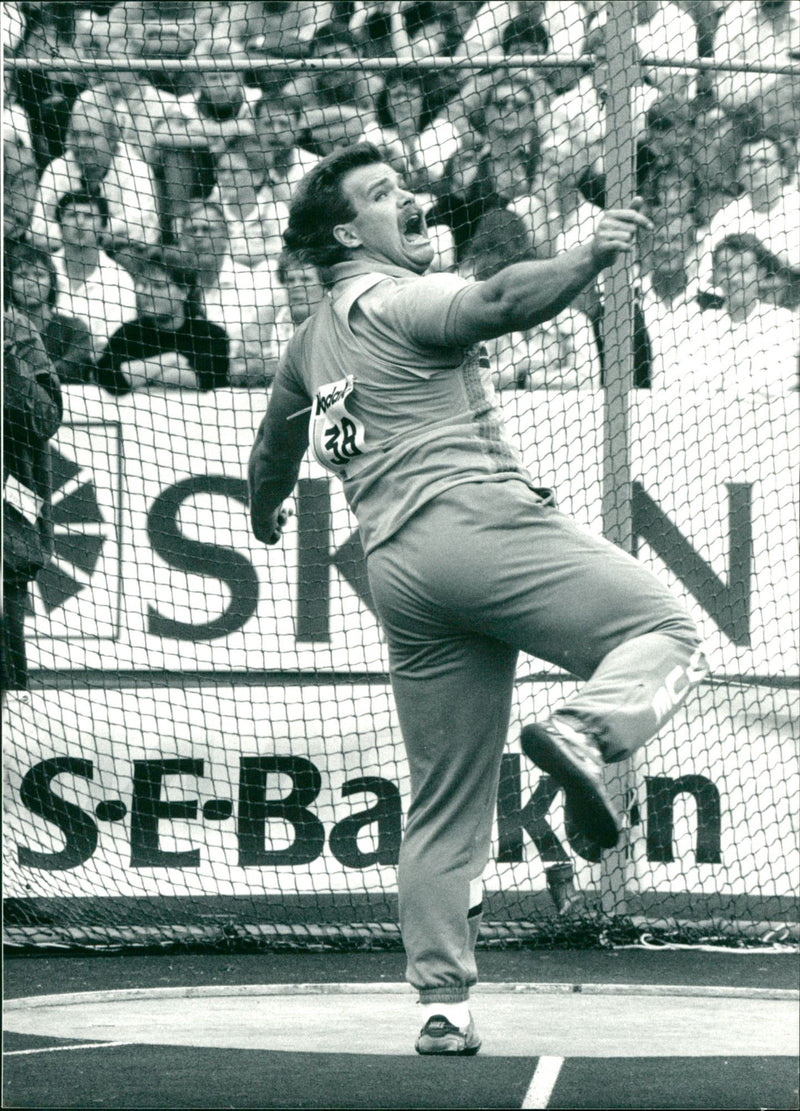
413 226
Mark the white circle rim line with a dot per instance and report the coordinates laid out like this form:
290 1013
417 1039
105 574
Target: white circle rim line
67 999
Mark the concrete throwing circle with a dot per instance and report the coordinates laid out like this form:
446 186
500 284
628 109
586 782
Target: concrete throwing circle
519 1020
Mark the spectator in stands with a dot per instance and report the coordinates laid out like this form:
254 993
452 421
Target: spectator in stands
465 193
491 168
167 345
452 127
273 152
749 345
176 125
526 34
20 182
162 31
580 111
290 25
756 33
229 294
222 105
562 26
151 118
47 95
30 285
668 296
243 26
32 411
304 291
405 107
457 104
665 145
555 210
561 354
16 124
674 188
512 136
144 114
768 207
91 286
421 29
370 27
149 107
92 32
258 357
665 30
410 30
337 104
255 219
715 150
96 162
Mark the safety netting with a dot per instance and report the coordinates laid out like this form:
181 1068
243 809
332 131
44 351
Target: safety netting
200 742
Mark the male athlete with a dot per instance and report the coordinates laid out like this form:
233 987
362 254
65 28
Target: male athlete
468 561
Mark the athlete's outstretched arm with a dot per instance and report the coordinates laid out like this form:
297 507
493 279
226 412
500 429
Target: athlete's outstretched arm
528 293
275 461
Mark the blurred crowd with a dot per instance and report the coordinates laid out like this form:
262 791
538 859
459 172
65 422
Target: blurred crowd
143 208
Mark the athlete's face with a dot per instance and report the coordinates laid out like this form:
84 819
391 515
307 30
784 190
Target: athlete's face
389 224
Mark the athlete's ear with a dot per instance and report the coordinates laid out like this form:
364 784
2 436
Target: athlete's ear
347 235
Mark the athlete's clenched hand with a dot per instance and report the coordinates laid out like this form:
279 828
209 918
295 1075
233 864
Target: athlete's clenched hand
617 231
272 529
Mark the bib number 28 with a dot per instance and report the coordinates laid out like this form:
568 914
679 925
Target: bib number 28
337 436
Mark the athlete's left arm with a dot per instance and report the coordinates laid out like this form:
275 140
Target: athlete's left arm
274 464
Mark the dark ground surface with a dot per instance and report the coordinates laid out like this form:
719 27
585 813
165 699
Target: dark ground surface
144 1076
40 975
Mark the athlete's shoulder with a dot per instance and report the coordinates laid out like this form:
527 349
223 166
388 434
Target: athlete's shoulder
419 307
315 326
308 339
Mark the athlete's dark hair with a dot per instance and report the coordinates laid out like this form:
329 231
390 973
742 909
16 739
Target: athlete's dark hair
319 205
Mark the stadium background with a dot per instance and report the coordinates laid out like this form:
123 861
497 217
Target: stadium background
208 751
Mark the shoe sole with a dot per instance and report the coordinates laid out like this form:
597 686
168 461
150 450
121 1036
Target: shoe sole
445 1047
590 806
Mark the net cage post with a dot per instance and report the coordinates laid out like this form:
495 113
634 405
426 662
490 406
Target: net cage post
618 338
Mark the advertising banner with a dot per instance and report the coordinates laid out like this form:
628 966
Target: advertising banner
301 790
222 722
156 569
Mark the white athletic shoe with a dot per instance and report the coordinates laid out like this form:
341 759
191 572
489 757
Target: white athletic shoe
439 1035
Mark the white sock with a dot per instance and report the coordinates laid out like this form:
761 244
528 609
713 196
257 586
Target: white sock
457 1013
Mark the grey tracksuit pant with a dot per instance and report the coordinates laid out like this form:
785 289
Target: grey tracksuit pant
482 572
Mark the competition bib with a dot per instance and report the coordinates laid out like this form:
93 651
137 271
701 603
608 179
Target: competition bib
336 436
